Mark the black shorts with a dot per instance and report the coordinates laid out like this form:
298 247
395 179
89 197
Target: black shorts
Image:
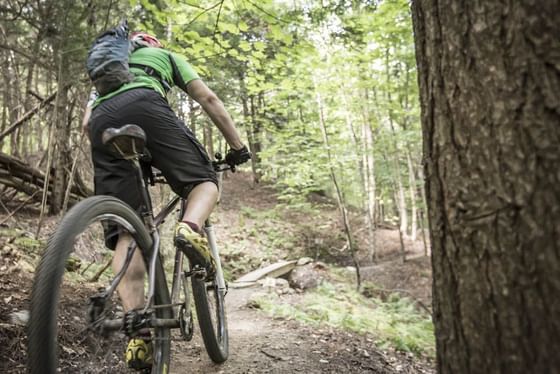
173 148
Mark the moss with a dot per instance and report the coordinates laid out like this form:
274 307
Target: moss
29 244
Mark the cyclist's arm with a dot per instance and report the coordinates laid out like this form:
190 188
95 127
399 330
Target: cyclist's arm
214 107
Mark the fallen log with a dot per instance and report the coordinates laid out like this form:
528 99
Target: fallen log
18 175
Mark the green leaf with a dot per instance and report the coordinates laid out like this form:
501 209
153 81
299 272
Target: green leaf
242 26
244 46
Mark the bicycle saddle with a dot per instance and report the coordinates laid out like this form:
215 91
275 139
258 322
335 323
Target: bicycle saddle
129 140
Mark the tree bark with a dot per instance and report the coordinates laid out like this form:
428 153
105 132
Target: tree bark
489 76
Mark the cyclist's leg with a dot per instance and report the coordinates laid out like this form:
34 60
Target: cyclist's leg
200 203
188 170
131 286
117 177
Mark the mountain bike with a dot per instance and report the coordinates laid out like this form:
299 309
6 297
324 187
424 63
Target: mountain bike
76 327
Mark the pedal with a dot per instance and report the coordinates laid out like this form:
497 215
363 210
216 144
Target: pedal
134 322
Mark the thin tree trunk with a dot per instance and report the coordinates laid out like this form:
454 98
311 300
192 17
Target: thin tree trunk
412 192
403 215
398 193
423 232
252 133
339 197
363 170
369 172
192 116
423 217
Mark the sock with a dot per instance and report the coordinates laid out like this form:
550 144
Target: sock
193 226
145 335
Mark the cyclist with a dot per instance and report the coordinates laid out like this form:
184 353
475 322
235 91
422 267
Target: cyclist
174 150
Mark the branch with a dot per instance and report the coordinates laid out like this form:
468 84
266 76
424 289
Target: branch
98 275
24 54
217 21
204 11
268 13
19 207
26 116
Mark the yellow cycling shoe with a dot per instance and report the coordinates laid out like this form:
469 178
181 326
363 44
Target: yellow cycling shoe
139 355
195 246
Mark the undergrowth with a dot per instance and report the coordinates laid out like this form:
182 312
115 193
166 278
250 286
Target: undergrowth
395 322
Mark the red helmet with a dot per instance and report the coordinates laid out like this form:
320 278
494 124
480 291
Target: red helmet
146 40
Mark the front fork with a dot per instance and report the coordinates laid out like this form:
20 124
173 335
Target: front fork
216 254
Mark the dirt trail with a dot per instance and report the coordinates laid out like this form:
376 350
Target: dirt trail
259 344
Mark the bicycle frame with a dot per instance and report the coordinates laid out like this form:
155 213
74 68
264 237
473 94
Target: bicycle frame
153 223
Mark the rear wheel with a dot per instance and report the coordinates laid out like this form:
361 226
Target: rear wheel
211 312
68 310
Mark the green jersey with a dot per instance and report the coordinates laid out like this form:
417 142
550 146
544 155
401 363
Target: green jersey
158 59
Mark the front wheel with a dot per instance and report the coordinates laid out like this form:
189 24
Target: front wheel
69 309
211 312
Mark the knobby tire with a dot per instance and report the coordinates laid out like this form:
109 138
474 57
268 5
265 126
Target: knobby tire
214 333
42 327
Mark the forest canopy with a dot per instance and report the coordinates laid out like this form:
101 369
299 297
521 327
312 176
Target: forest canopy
322 92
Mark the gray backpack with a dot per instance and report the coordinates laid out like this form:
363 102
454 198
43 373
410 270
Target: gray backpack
107 60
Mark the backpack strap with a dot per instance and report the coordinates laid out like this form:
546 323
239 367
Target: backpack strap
152 73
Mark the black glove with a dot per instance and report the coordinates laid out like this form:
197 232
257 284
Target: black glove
238 156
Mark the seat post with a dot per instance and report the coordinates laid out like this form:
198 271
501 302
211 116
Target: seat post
147 209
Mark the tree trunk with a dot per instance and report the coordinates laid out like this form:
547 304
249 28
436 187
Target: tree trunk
489 76
403 214
398 194
192 116
61 156
369 174
412 193
422 210
362 165
339 197
254 136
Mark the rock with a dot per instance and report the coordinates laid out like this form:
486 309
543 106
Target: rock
278 285
324 361
282 286
304 261
305 277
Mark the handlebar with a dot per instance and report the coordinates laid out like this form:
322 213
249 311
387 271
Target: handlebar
220 165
